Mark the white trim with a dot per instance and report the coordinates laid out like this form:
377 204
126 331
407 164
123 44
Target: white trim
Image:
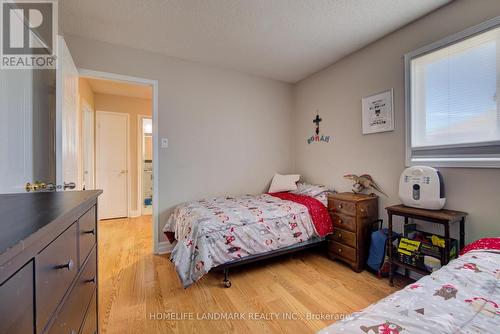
165 247
140 163
98 148
154 84
469 162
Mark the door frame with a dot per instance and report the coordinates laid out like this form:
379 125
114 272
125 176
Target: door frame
87 110
140 164
127 150
154 84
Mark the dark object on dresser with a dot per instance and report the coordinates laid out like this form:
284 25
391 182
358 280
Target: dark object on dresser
443 217
48 263
353 216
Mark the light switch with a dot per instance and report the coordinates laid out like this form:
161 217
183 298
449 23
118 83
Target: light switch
164 142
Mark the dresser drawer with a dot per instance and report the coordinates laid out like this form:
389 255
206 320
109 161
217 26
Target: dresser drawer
342 251
86 234
90 324
344 222
56 267
16 303
344 207
72 313
344 237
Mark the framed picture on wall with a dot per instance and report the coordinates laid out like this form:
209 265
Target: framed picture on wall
378 112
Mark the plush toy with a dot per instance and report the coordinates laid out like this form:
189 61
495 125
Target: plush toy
363 182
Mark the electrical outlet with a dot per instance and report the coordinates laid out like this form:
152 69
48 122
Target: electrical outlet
164 142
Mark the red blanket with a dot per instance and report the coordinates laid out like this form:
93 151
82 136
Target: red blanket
485 243
319 213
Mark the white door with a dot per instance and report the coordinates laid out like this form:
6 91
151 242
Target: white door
67 121
88 147
112 164
16 130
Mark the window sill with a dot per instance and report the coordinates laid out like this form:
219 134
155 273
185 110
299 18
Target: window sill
460 162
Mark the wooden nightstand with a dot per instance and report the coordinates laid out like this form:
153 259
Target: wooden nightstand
352 217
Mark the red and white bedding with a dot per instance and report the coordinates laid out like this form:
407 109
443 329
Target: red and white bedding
216 231
461 297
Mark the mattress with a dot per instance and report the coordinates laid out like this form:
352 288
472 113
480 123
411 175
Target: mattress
461 297
215 231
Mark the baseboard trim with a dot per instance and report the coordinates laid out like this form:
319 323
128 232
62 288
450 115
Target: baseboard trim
165 247
134 213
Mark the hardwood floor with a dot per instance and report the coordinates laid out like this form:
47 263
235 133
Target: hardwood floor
301 293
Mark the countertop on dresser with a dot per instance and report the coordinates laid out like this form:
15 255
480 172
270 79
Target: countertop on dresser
27 219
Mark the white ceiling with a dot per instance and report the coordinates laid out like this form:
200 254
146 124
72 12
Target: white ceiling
280 39
99 86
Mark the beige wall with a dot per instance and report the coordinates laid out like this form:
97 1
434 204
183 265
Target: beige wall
228 132
337 92
86 93
86 97
133 107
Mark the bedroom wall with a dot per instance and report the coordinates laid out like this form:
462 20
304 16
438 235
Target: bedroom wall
337 92
228 132
134 107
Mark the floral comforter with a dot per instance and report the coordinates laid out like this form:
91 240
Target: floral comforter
216 231
461 297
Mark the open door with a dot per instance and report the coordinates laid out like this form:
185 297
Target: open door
68 170
27 128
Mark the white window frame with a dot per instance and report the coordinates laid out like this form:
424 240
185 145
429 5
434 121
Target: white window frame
456 160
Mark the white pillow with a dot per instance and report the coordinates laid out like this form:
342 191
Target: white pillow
284 183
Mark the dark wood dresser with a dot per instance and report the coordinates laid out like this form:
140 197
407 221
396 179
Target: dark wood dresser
48 263
352 217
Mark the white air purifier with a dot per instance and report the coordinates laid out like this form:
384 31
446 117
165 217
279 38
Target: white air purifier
422 187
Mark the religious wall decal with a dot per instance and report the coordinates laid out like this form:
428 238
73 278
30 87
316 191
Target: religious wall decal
317 137
378 112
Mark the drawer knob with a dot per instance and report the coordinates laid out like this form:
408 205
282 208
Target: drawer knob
91 281
92 231
340 221
340 250
68 265
340 235
363 210
340 206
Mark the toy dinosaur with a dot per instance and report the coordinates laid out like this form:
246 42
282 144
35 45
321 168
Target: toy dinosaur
363 182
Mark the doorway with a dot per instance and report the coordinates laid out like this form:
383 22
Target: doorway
121 94
145 144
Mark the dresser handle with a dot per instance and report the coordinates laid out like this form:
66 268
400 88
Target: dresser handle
340 206
92 231
340 250
362 210
68 265
340 221
340 235
92 280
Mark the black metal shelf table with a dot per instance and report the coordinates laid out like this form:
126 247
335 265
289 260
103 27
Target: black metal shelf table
442 217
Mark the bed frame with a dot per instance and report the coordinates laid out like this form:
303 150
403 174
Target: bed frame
314 242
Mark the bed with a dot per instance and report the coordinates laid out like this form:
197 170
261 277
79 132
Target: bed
223 232
461 297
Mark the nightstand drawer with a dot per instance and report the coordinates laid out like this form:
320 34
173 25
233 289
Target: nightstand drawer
342 251
344 207
344 222
344 237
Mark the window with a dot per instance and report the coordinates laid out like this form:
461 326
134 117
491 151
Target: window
452 100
